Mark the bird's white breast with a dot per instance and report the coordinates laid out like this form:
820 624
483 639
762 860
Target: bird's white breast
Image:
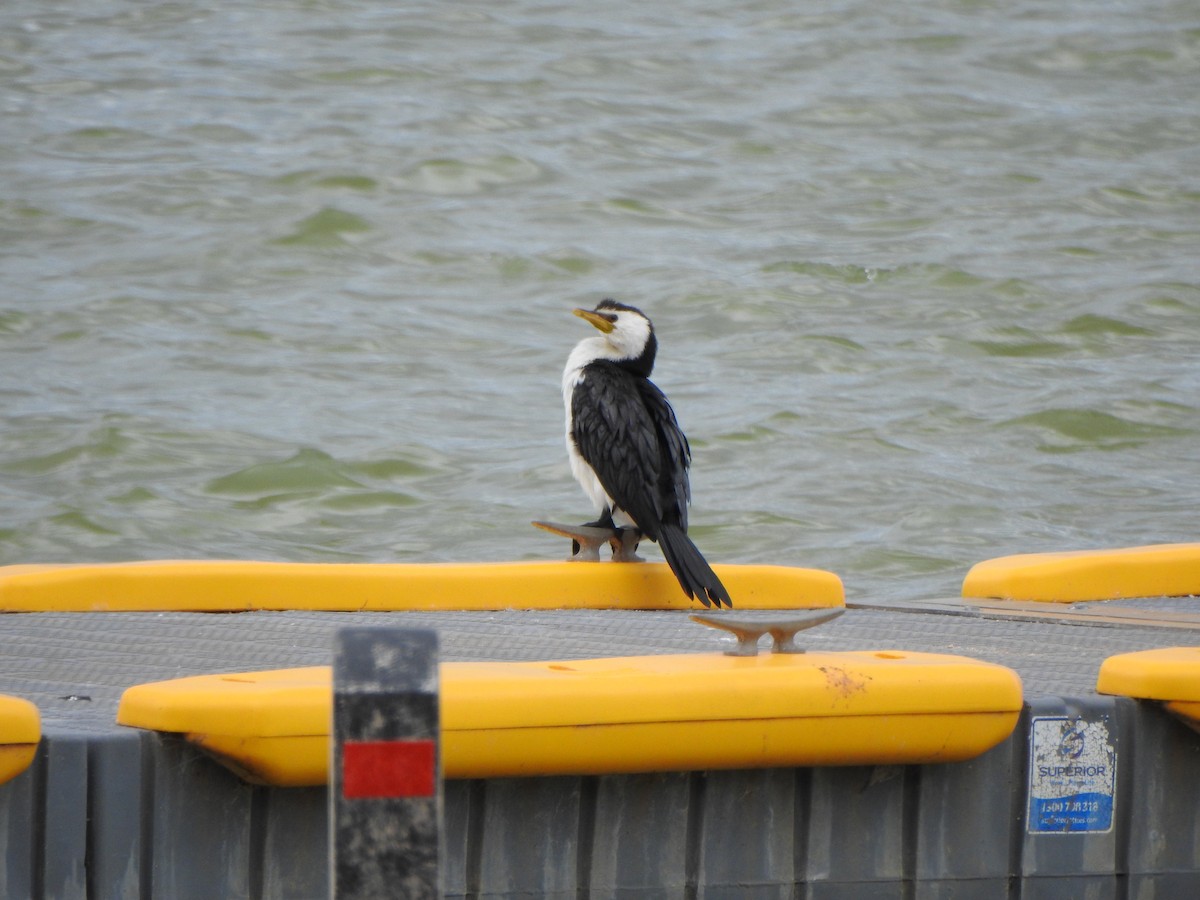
586 351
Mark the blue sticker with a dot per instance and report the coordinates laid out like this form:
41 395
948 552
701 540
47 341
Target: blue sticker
1072 775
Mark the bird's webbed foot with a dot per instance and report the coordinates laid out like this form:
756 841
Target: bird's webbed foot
605 521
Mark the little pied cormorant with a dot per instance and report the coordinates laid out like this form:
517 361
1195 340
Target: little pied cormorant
625 446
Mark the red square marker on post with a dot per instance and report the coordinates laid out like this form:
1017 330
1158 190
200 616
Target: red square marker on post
389 769
385 774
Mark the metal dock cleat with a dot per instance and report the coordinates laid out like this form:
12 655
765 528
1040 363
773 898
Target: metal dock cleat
586 541
749 630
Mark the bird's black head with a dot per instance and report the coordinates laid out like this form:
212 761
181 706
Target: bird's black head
628 334
610 304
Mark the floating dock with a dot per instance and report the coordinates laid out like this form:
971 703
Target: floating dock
1090 789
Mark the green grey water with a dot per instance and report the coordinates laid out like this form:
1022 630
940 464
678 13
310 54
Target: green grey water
292 280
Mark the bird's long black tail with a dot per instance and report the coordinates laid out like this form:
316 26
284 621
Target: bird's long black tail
695 575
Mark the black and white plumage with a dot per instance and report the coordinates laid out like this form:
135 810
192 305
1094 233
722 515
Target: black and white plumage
625 446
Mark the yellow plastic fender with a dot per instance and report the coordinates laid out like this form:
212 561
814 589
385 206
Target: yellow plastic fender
231 586
1160 570
1170 675
625 714
20 732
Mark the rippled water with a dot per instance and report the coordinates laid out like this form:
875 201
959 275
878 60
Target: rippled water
293 280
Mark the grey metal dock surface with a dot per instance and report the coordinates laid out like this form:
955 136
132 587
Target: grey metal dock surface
107 811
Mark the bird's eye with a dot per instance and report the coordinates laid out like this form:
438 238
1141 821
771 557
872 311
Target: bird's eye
610 316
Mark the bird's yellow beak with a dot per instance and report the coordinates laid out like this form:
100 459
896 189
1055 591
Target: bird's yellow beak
596 319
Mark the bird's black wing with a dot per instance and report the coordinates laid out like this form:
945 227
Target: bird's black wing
675 455
618 436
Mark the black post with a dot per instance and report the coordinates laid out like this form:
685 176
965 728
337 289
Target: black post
385 805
